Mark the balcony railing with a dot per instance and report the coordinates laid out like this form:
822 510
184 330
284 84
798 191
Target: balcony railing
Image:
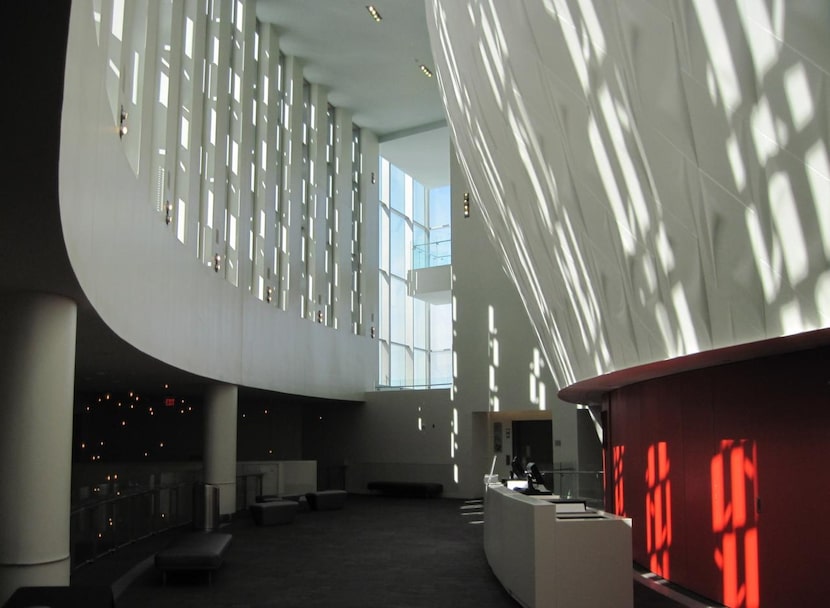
434 253
116 513
101 526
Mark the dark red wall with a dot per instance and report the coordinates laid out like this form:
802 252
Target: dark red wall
767 422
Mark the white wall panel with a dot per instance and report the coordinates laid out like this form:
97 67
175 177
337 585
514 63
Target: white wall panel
645 168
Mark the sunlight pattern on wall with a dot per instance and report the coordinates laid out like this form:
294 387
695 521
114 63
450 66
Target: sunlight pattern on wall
538 395
658 509
493 352
734 477
655 175
619 479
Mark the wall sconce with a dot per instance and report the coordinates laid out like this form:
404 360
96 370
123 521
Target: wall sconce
122 125
269 294
466 204
374 12
168 212
217 262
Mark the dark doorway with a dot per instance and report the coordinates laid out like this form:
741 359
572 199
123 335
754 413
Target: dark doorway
533 442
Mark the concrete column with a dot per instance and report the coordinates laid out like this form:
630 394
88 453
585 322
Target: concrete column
37 371
220 444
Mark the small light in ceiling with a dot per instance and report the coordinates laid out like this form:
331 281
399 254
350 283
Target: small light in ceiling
466 204
427 72
374 12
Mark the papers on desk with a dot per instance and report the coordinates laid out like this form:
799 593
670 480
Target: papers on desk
574 509
582 515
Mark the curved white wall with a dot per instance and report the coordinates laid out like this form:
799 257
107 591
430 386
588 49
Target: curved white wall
656 175
152 291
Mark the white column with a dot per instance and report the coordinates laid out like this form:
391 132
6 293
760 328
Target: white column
37 369
220 444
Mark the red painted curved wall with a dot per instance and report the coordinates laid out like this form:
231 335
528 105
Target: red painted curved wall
692 457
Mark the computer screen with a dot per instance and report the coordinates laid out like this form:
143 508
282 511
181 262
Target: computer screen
534 474
516 469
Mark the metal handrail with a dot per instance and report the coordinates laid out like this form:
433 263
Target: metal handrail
102 526
404 387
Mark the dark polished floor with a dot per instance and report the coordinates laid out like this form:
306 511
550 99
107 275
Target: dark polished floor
377 551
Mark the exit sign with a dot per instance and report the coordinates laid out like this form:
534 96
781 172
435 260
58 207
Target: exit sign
169 401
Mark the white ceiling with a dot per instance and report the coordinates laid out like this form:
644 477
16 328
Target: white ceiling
372 69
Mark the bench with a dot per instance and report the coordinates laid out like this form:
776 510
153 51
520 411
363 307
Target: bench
326 500
95 596
272 512
415 489
194 551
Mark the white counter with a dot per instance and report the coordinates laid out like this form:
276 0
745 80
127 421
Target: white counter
545 560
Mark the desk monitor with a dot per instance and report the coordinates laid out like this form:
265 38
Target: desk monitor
534 476
516 469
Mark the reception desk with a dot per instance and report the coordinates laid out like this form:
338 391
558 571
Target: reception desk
557 555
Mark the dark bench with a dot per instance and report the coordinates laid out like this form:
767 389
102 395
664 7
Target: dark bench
326 500
415 489
272 512
194 551
97 596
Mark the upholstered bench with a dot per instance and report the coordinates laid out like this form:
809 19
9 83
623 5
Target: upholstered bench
406 488
326 500
273 512
301 500
267 498
194 551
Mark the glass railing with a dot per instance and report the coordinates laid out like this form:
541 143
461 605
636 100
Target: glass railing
434 253
585 485
100 526
413 387
114 514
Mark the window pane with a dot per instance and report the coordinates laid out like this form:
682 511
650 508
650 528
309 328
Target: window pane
440 326
398 310
440 246
419 323
383 321
396 191
418 203
440 368
383 350
439 206
397 245
398 367
419 247
407 184
419 373
384 239
384 181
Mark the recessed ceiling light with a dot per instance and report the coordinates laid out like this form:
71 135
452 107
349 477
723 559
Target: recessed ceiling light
427 72
374 12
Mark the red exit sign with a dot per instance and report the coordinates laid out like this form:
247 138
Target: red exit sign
169 401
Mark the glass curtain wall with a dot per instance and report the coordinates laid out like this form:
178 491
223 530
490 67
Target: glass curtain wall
415 336
233 150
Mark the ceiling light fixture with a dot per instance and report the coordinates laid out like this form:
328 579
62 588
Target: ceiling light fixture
374 12
427 72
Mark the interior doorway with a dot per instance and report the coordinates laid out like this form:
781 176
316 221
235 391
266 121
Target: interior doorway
533 442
